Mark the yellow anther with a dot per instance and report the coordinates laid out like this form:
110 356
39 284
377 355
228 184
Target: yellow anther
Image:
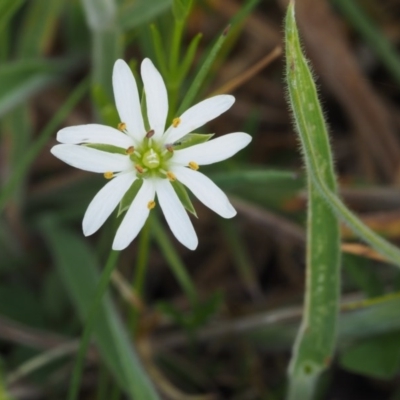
194 165
171 176
108 175
169 147
150 134
176 122
139 168
130 150
151 204
122 126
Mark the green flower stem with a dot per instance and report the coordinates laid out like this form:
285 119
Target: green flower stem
35 148
316 339
101 16
171 256
91 319
306 128
140 272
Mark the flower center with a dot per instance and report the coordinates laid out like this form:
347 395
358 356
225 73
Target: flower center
151 159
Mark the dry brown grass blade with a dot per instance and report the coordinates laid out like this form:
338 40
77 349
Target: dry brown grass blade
362 250
261 31
336 65
127 292
241 79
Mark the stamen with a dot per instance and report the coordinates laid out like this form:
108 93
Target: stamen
108 175
151 204
139 168
130 150
176 122
150 134
169 147
194 165
171 176
122 126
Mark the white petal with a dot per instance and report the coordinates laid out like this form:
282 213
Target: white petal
175 214
127 99
206 191
135 217
212 151
89 159
105 201
94 133
156 97
198 115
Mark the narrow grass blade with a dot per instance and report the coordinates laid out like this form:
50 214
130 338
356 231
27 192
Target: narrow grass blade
315 341
38 27
39 143
78 268
202 73
19 80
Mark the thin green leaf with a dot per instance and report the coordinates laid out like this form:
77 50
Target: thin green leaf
315 341
187 61
159 49
181 9
202 72
78 267
314 162
38 27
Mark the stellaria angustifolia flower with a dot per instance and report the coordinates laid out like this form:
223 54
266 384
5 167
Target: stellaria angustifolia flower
152 159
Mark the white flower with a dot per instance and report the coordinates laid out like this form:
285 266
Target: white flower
149 156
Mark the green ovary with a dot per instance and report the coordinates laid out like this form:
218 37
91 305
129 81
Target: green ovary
151 159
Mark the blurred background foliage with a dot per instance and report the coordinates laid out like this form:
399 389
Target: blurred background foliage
217 323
